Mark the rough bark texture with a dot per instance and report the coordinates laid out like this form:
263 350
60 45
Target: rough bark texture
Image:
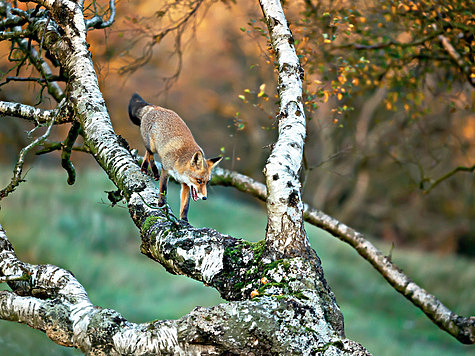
292 310
285 231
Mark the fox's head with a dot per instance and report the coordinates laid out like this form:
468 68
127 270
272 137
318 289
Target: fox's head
199 174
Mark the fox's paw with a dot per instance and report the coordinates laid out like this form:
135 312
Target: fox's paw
155 173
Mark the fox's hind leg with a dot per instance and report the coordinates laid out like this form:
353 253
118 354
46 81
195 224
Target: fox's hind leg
149 161
162 199
154 168
144 166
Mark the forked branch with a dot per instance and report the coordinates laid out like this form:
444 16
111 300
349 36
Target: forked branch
462 328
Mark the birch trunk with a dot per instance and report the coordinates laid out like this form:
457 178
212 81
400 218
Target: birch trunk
285 231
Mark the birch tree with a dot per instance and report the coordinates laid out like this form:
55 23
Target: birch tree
278 299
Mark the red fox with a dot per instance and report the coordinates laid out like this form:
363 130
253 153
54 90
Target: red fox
165 133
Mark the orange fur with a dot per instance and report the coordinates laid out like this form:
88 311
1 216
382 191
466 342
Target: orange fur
166 134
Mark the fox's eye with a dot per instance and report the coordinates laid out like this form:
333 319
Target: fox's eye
199 181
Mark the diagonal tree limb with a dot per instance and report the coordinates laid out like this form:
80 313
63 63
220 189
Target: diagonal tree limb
462 328
457 58
447 175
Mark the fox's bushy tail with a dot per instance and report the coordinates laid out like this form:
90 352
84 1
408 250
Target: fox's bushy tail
135 104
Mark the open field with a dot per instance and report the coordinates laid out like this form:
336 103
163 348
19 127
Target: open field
48 221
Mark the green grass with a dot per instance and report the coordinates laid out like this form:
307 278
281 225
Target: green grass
48 221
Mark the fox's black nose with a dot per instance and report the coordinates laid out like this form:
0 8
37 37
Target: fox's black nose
204 198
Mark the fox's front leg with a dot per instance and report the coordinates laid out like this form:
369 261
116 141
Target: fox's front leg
162 199
185 201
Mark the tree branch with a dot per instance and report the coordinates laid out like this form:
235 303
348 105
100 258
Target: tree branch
40 27
98 22
66 154
17 171
61 114
155 38
52 300
462 328
49 146
447 176
8 35
458 59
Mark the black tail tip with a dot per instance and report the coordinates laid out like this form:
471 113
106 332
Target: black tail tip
136 98
135 104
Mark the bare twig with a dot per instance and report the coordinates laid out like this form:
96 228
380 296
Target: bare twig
147 52
98 22
33 79
17 171
66 154
48 147
448 175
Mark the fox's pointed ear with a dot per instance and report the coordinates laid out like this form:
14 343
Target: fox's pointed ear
197 159
214 161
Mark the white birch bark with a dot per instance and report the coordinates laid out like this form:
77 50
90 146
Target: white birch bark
39 116
285 231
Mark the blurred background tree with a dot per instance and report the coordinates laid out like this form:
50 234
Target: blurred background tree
397 80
